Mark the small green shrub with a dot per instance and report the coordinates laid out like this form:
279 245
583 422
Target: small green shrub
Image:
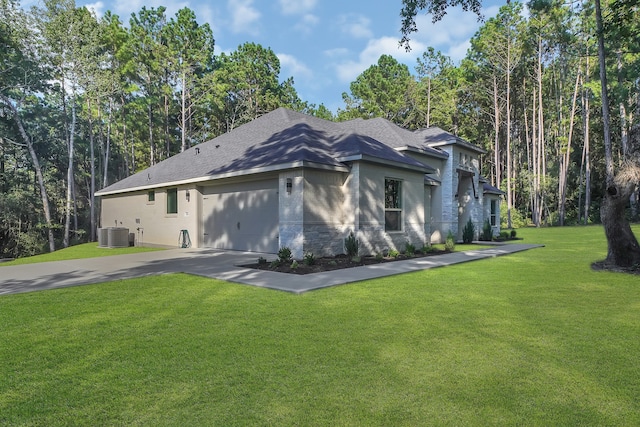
409 249
487 231
355 259
513 234
262 261
294 265
393 253
351 245
450 243
468 232
427 249
379 256
333 263
284 254
309 259
504 235
274 264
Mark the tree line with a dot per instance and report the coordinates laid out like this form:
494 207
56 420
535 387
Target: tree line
85 102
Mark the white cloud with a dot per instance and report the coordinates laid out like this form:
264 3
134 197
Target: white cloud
96 8
348 71
244 17
307 23
356 26
295 68
450 35
337 52
293 7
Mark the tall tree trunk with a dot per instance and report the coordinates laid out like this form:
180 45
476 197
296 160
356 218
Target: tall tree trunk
534 159
624 134
92 189
36 165
107 150
152 145
183 112
623 249
509 189
429 102
496 129
70 177
566 158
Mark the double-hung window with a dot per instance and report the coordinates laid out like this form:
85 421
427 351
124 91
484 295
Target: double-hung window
494 213
392 205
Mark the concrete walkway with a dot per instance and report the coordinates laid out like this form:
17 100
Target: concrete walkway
217 264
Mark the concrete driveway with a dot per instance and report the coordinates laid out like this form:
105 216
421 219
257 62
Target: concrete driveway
217 264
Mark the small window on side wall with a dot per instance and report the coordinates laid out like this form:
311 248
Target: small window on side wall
494 213
151 196
172 201
392 205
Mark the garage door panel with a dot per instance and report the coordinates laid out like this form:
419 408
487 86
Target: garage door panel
245 219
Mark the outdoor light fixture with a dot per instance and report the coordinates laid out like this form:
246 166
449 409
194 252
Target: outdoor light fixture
289 185
188 195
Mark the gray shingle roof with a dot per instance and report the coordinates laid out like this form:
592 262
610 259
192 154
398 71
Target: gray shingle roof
435 137
282 139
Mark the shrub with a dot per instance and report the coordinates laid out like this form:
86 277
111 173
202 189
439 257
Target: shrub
262 261
409 249
450 243
487 231
427 248
309 259
468 232
379 256
504 235
274 264
513 234
284 254
393 253
294 265
351 245
355 259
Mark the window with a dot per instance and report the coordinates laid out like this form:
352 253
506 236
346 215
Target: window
392 205
151 196
172 201
494 212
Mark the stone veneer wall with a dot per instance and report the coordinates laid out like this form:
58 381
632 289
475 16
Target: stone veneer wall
325 212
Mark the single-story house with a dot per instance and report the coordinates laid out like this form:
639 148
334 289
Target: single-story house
287 179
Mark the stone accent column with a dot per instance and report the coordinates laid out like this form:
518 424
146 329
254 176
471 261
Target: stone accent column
291 196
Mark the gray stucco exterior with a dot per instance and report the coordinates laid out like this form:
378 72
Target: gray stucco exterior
287 179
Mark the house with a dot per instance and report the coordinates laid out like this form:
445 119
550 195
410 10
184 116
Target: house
289 179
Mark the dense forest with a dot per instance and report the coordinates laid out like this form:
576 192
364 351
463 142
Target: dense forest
85 102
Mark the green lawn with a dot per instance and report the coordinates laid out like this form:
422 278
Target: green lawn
535 338
85 250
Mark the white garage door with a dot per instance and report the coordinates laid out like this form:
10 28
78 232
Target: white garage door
241 217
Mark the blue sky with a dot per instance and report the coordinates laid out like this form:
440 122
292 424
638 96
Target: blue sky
323 44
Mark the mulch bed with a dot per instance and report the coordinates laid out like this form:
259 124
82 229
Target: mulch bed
605 266
337 263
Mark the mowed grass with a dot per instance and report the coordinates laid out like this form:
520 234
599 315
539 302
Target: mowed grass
85 250
535 338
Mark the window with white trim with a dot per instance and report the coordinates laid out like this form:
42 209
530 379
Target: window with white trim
392 205
494 213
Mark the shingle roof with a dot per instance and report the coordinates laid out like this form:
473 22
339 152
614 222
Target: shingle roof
281 139
435 137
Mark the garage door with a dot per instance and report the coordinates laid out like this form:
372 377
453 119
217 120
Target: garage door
241 217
